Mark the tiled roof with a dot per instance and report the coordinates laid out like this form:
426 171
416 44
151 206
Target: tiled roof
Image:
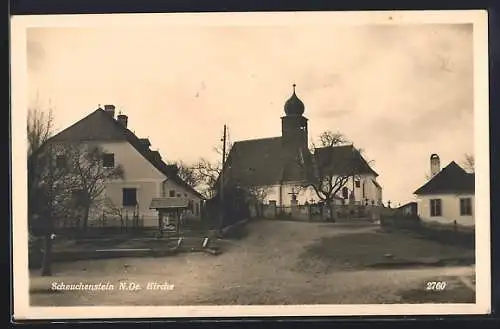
342 160
451 179
169 203
256 162
264 162
100 126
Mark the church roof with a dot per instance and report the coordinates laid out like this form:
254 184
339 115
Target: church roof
264 162
342 160
100 126
451 179
256 162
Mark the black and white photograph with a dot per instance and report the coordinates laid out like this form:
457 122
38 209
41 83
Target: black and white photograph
250 164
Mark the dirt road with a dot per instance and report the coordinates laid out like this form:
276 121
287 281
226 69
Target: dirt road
265 267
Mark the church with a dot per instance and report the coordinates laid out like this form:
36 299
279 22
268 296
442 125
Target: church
284 170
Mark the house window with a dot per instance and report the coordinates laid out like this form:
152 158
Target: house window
60 161
129 197
466 207
108 160
171 193
436 207
357 183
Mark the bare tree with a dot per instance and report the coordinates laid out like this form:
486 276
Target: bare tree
114 211
208 172
44 182
40 127
89 176
328 175
468 162
48 197
188 173
329 139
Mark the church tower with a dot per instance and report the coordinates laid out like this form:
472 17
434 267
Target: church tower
294 124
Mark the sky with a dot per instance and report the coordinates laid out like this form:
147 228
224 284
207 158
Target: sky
399 92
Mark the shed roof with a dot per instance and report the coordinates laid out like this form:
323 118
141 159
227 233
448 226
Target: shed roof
169 203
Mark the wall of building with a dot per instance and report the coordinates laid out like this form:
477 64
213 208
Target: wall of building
138 174
181 192
366 190
450 204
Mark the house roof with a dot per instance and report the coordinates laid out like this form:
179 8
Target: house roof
261 162
343 160
451 179
100 126
169 203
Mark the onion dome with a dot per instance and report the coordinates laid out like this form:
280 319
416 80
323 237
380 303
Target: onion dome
294 106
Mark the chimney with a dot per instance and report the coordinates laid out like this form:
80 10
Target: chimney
110 109
145 142
435 165
122 119
173 169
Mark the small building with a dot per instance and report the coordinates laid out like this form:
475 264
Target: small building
171 212
448 196
408 209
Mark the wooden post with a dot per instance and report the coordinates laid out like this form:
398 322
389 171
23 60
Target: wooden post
222 209
178 228
160 222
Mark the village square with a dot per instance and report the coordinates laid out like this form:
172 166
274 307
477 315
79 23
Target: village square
278 220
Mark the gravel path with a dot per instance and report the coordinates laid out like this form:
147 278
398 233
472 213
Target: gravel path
262 268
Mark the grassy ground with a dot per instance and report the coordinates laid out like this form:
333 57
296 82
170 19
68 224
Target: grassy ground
382 250
275 263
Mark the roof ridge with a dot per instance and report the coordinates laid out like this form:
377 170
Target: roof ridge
257 139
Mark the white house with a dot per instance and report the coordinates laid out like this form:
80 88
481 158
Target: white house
281 166
146 175
448 197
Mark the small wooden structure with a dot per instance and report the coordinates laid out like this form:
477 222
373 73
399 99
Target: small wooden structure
170 208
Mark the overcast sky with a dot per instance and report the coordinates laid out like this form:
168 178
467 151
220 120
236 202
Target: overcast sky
399 92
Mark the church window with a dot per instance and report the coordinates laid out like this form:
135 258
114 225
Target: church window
357 183
345 192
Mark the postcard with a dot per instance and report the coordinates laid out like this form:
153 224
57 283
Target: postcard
250 164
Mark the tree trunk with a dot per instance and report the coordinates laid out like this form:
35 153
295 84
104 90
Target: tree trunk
331 216
85 219
47 255
160 223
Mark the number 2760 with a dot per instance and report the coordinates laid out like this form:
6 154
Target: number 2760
435 285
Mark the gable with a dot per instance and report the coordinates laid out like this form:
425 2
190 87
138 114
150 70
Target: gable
99 126
451 179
